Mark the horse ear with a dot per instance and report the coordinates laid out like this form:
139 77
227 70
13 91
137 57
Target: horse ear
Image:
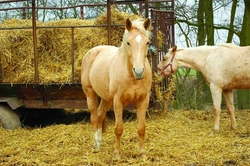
128 24
147 23
174 48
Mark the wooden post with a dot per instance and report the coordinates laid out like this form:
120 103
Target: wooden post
35 40
109 21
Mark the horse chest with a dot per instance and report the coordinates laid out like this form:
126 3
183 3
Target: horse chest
132 96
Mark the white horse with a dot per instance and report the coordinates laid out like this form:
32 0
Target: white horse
225 67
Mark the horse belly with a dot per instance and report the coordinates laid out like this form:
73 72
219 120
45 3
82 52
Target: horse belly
238 83
237 75
229 72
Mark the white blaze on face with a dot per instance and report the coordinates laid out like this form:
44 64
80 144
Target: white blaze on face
138 38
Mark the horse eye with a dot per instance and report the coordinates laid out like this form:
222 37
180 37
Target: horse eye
164 59
128 43
147 43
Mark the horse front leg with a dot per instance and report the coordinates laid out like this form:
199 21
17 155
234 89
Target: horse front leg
118 109
228 95
141 115
217 96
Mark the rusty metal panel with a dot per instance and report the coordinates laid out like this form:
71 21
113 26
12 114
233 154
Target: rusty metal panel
1 70
46 96
56 104
163 27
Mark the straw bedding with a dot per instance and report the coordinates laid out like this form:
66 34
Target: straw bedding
54 47
172 138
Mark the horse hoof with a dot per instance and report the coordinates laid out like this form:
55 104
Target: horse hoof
214 132
96 148
143 156
117 157
233 128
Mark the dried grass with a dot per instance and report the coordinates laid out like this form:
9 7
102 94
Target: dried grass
176 138
54 47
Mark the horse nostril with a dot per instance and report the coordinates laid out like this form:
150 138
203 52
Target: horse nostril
138 73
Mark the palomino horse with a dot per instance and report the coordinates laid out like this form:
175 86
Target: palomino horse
225 67
119 76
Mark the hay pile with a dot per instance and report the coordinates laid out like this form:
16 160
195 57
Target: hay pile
54 47
176 138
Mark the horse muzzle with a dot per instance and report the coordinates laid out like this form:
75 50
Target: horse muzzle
138 73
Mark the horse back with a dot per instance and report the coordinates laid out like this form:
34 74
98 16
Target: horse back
229 67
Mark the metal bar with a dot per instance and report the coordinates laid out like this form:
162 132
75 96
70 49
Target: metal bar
155 1
146 8
24 13
56 104
72 55
1 70
53 8
128 2
82 12
140 9
9 1
35 40
109 21
41 27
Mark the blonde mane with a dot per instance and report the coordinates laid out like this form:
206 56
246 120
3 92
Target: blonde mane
138 24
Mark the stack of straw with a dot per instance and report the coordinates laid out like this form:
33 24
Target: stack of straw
54 47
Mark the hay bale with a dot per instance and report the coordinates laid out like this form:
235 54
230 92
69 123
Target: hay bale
16 50
54 47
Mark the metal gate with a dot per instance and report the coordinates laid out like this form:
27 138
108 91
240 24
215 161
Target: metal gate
34 95
163 39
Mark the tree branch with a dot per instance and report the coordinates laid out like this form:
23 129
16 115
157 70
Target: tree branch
214 26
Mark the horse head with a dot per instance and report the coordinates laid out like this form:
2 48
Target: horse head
166 66
135 45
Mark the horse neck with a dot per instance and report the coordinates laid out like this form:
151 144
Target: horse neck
125 57
194 58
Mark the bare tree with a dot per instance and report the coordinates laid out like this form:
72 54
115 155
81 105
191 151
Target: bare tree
244 95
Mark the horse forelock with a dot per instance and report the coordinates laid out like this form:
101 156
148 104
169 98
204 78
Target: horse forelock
138 24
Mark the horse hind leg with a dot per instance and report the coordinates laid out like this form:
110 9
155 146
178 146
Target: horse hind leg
228 95
100 125
217 96
102 109
93 102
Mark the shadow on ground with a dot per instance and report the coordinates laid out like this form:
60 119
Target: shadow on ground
47 117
